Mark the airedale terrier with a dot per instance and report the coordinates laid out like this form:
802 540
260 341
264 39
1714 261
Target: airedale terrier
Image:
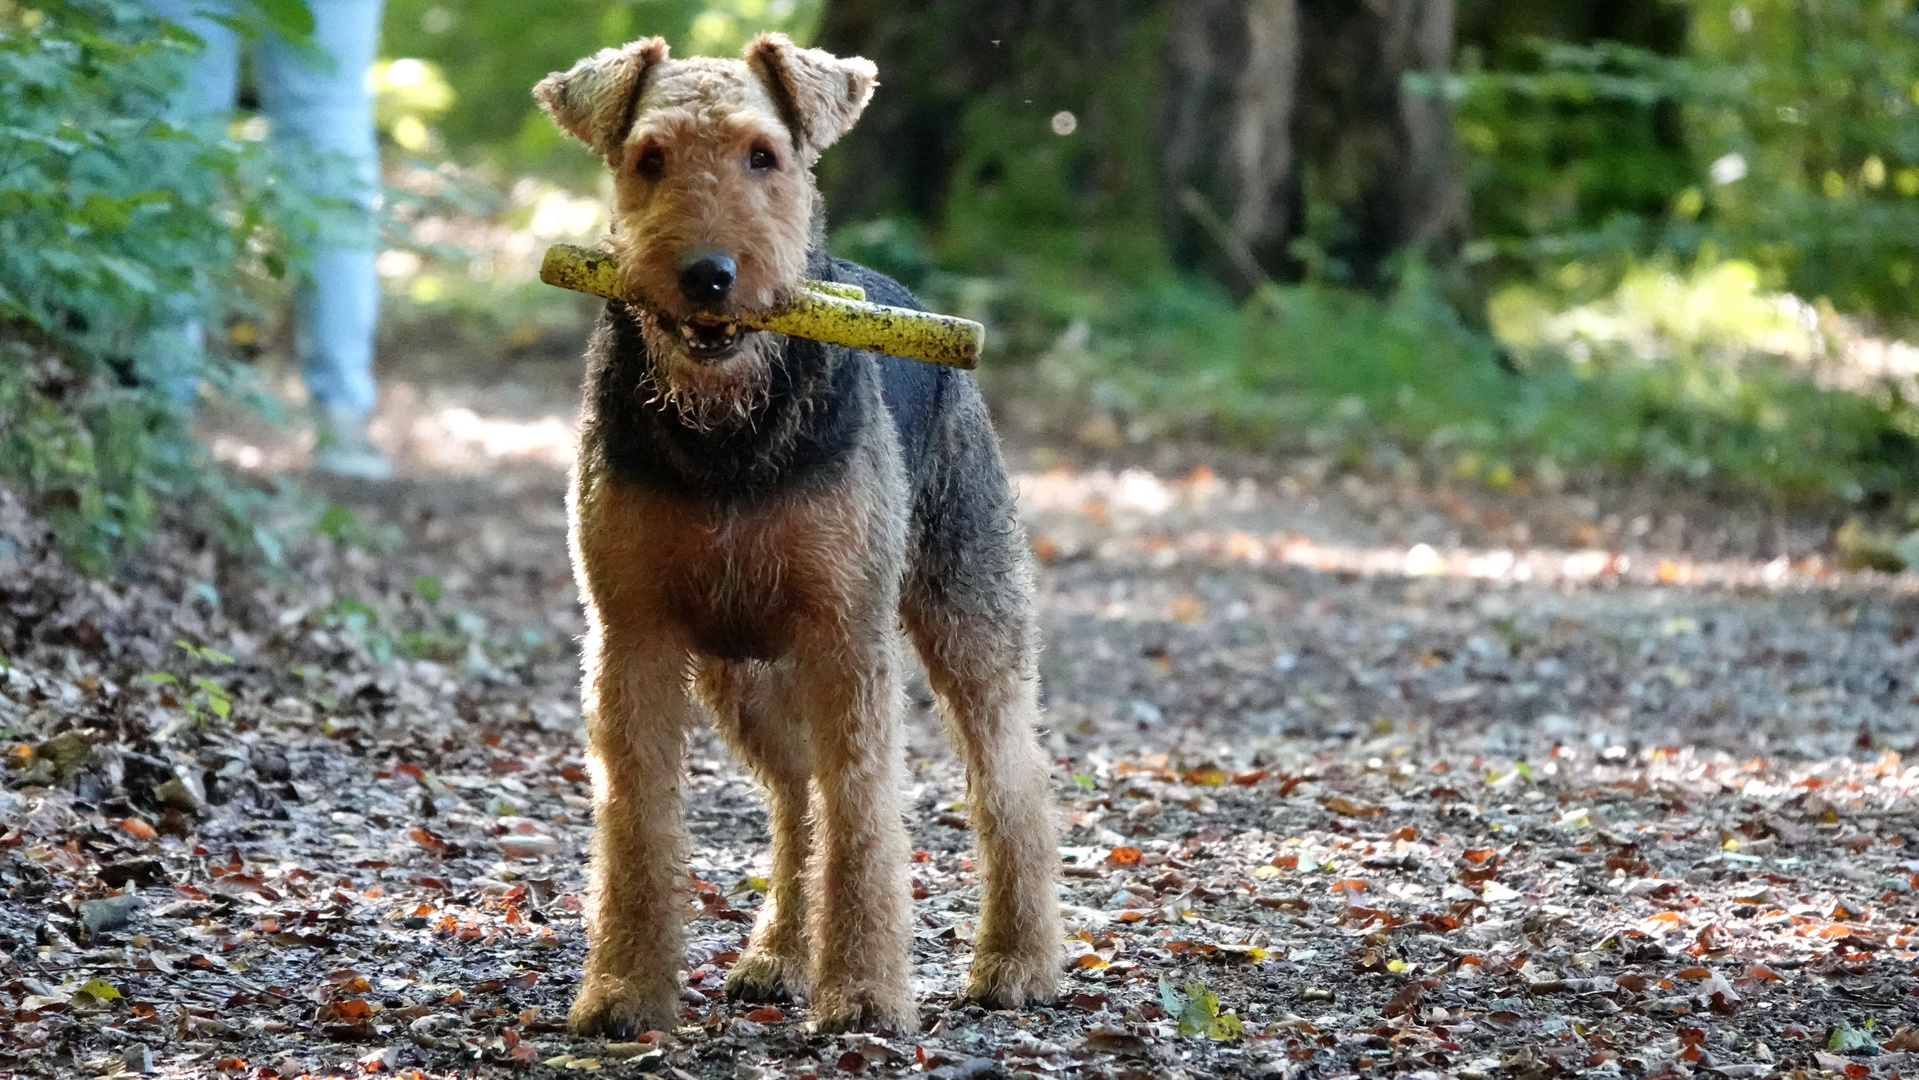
755 519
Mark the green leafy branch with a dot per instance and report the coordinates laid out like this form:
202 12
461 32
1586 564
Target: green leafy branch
1197 1013
196 696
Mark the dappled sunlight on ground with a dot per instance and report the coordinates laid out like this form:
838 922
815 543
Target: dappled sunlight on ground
1620 760
1137 518
458 439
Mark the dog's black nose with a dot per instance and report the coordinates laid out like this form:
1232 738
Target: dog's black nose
706 277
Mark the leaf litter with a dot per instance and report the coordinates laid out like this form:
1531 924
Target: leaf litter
1322 816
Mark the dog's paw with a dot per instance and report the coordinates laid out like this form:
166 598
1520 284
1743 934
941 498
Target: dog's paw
1004 981
766 976
618 1010
857 1009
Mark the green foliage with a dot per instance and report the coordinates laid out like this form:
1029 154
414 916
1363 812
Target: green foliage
1844 1038
1571 145
1197 1011
119 228
1786 133
1821 102
196 696
1703 377
1591 163
419 629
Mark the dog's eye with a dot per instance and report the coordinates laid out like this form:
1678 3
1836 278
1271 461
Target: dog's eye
652 162
761 159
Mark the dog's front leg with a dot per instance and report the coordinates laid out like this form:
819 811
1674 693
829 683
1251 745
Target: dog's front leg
638 709
860 909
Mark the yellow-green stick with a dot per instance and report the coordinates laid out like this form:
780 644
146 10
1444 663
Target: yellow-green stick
828 311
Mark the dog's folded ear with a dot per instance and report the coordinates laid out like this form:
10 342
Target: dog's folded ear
593 101
819 95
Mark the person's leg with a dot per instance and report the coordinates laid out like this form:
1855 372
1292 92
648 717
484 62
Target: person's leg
211 86
325 106
213 82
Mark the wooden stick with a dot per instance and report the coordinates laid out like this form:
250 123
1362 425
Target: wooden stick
828 311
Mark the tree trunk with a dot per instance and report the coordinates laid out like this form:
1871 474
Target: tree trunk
933 57
1293 143
938 59
1284 140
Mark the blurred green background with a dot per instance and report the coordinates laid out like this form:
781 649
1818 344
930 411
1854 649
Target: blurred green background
1517 239
1522 244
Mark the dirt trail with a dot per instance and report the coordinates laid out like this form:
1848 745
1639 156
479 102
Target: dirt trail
1361 776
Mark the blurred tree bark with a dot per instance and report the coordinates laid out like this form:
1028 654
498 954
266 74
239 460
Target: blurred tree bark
939 57
1293 142
1278 120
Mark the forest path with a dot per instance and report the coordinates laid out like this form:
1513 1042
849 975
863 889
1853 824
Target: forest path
1407 778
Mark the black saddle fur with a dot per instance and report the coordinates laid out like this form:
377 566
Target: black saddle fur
813 415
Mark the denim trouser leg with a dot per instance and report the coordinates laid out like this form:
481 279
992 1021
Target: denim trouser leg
213 83
331 111
325 105
211 86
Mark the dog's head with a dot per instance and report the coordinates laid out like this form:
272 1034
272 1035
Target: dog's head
712 164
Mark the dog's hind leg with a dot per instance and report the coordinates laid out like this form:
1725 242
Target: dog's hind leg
638 710
968 607
751 707
981 667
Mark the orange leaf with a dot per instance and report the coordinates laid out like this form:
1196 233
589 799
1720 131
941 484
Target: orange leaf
138 827
766 1014
1187 608
1693 973
1348 884
1478 855
1286 862
1906 1038
1761 971
1340 804
1405 1001
1125 856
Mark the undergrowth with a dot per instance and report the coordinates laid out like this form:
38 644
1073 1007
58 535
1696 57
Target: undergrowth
121 231
1694 376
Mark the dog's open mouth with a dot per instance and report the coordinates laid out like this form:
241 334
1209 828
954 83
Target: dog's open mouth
708 338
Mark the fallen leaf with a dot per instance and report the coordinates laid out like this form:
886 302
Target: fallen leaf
1345 807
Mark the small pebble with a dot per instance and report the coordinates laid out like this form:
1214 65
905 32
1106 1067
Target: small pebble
108 913
528 846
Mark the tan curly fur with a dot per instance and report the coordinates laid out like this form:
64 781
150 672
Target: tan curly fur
779 616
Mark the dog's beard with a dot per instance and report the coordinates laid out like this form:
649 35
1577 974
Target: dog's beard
708 395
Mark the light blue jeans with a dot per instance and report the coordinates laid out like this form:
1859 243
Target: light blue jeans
322 105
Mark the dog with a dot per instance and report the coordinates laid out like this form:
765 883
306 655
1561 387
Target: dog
758 523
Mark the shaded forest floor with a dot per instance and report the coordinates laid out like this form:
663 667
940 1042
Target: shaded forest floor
1360 776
